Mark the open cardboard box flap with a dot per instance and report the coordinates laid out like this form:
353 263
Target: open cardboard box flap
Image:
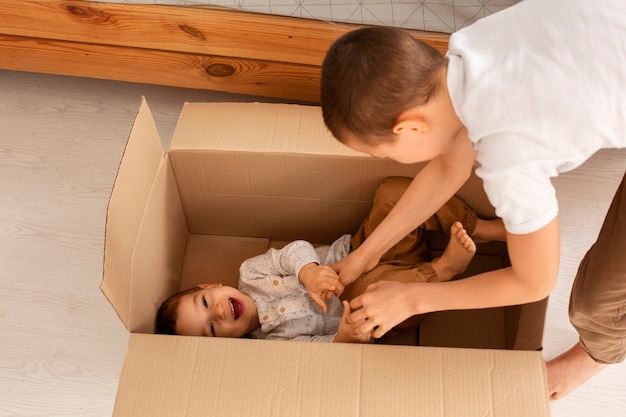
268 378
237 179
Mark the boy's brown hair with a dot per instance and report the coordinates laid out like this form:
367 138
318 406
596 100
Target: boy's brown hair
370 76
167 314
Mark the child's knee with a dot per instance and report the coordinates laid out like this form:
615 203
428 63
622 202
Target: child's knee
391 189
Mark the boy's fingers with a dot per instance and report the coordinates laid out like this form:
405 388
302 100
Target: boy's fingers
378 331
345 316
339 289
356 303
358 318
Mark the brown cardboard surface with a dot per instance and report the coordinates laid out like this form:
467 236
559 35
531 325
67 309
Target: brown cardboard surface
211 259
285 129
237 178
141 161
268 378
159 249
277 195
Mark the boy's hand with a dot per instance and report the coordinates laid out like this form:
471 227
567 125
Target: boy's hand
351 268
320 281
382 306
348 332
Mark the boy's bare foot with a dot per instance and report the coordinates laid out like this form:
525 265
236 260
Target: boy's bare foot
489 230
569 370
457 255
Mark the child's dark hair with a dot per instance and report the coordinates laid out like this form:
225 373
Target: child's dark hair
370 76
165 322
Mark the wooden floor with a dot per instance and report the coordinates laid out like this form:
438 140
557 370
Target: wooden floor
61 344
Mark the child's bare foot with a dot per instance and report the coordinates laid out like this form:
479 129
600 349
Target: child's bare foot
489 230
570 370
457 255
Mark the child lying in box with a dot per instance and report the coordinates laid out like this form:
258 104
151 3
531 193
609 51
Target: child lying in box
292 293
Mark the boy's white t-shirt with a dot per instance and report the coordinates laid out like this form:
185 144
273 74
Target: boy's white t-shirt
540 87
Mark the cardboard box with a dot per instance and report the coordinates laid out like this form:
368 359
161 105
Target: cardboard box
239 178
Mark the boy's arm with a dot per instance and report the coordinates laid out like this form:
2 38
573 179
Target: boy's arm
533 272
431 188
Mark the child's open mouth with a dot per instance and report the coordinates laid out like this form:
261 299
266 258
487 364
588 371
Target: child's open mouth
236 307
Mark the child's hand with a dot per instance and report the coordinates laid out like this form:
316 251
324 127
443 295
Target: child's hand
320 281
348 331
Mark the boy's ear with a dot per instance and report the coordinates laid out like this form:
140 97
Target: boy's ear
205 286
411 121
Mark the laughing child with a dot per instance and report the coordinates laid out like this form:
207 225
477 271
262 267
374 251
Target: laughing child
290 293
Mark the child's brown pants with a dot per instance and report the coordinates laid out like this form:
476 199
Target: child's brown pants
598 299
409 260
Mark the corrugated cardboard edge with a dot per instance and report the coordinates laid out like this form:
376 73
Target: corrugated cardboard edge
142 155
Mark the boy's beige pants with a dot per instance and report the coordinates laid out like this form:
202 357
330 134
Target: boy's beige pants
409 260
598 299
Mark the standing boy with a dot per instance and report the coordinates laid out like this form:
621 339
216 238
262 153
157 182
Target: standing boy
527 93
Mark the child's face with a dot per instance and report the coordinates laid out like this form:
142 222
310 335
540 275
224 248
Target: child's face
216 311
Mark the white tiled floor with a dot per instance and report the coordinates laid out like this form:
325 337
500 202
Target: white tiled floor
444 16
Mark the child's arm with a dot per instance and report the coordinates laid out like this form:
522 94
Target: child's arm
431 188
298 260
282 262
347 332
533 272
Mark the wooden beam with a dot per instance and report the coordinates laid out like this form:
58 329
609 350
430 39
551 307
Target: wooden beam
184 29
224 50
235 75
